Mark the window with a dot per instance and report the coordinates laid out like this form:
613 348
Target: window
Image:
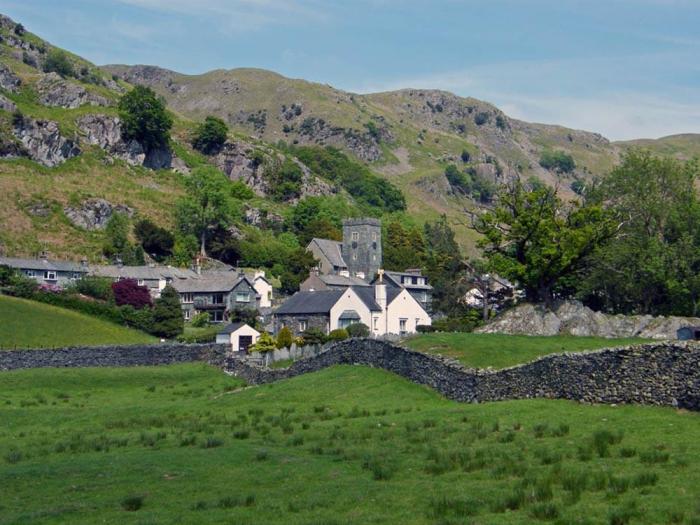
29 273
375 325
374 238
242 297
302 325
269 295
217 316
140 282
354 256
187 315
50 275
355 236
417 322
76 275
402 326
186 298
217 298
344 323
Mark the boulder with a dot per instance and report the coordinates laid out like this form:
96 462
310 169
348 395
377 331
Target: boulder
55 91
94 214
8 80
44 143
573 318
6 104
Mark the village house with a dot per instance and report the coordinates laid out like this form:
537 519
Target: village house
383 309
318 281
45 271
153 277
413 281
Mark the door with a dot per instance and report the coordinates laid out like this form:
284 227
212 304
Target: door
244 341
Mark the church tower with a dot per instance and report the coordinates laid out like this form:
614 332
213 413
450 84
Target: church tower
362 247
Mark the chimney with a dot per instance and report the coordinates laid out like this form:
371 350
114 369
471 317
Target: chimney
380 294
43 255
197 266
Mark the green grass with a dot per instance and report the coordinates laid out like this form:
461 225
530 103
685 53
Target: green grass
348 445
29 324
501 351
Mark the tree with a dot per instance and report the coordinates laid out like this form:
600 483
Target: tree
167 314
128 292
443 265
19 29
156 241
403 247
285 338
144 118
96 287
116 245
313 336
208 205
535 239
296 269
357 330
57 61
559 161
210 135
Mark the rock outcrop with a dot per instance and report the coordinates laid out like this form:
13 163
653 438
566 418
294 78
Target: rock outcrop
43 142
55 91
573 318
6 104
8 80
93 214
106 132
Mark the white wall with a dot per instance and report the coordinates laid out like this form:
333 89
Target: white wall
264 289
404 306
349 301
243 330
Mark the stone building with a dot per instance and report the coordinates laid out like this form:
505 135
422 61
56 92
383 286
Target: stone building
45 271
362 247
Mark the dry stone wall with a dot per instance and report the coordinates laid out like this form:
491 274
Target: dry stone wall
655 374
94 356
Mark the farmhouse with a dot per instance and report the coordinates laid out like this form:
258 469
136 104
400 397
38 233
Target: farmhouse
45 271
384 310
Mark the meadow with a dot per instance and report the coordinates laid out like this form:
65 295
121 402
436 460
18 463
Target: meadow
348 445
30 324
501 351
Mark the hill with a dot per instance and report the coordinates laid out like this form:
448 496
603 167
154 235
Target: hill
29 324
347 445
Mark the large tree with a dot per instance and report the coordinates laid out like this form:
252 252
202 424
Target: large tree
207 206
403 247
210 135
443 266
144 118
534 238
167 314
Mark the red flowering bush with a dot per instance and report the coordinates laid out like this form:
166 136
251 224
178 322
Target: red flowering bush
128 292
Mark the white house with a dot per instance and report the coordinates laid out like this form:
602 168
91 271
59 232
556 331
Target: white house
239 335
384 310
263 288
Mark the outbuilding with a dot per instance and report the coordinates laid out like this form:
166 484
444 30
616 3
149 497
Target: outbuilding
239 335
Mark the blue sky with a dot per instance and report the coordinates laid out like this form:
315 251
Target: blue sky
624 68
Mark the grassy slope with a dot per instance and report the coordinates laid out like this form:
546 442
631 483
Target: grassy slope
500 351
347 445
28 324
684 146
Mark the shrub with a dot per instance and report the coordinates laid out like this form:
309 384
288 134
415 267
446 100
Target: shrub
156 241
425 328
57 61
201 320
481 118
285 338
313 336
466 156
339 334
210 135
167 314
501 122
95 287
128 292
132 503
559 161
358 330
19 29
144 118
265 343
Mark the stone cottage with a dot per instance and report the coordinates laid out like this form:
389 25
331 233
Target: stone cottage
45 271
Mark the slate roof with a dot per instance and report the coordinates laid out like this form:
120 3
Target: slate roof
366 295
223 282
232 327
395 277
342 280
142 272
349 314
332 250
42 264
319 302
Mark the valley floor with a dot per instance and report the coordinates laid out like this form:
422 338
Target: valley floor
348 445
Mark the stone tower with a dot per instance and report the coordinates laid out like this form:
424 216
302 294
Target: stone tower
362 247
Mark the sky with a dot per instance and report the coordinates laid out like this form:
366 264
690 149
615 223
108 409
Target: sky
623 68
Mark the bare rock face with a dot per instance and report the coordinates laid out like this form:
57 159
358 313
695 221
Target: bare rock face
6 104
8 80
573 318
262 218
44 143
55 91
105 131
94 214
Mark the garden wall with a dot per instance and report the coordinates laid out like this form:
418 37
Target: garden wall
655 374
133 355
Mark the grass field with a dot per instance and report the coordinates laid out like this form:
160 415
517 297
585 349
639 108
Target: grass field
348 445
29 324
501 351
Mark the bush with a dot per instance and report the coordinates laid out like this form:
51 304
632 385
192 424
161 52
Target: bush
132 503
155 241
313 336
19 29
559 161
358 330
144 118
201 320
425 328
339 334
481 118
57 61
128 292
167 314
284 338
466 156
464 323
95 287
265 343
210 135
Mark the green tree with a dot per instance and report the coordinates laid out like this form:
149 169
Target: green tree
144 118
208 205
540 242
357 330
443 265
285 338
116 244
167 314
403 247
57 61
296 269
559 161
210 135
155 241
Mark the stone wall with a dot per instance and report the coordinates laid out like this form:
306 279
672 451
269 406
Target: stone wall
136 355
656 374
